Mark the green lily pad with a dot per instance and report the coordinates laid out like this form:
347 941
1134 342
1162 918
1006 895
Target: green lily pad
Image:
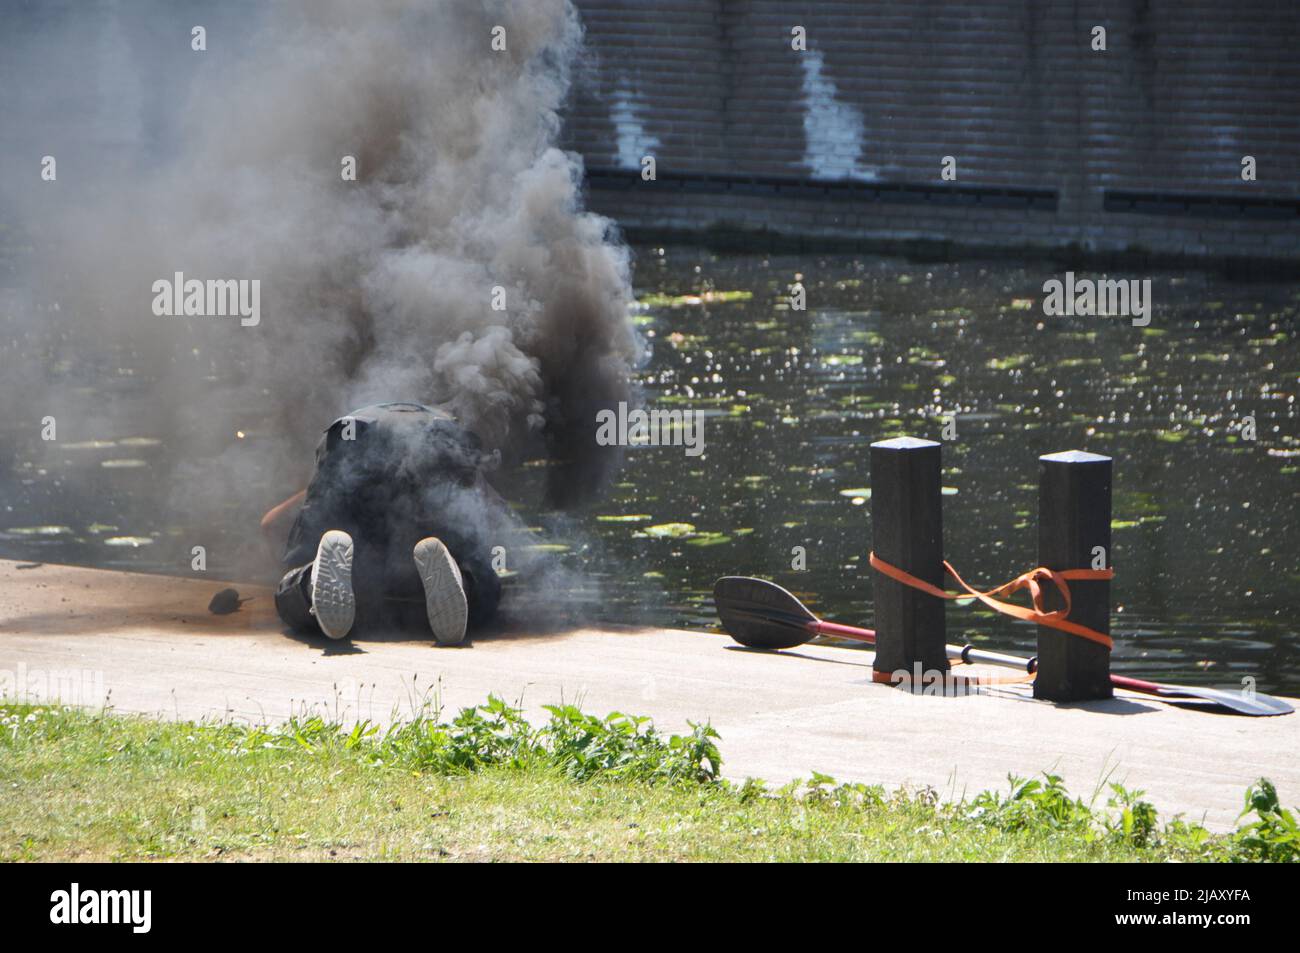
547 548
709 539
670 530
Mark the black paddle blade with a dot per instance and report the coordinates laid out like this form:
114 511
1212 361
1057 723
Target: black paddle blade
761 614
1243 704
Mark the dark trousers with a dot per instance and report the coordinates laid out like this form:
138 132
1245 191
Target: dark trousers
399 605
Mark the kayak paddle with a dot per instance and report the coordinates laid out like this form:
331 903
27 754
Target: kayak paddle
763 615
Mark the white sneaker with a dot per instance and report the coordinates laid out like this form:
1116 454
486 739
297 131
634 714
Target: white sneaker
444 591
332 599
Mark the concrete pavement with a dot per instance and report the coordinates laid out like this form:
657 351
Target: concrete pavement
149 644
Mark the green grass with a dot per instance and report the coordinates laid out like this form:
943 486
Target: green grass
77 785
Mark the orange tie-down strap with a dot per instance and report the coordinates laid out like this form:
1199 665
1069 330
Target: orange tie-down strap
1031 580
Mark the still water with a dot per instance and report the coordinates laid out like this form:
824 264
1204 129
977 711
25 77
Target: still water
1205 521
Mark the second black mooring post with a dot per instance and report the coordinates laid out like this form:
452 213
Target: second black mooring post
907 532
1074 509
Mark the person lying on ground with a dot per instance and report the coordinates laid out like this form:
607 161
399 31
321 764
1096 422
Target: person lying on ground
398 517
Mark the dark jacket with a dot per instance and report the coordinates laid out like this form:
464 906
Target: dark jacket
390 475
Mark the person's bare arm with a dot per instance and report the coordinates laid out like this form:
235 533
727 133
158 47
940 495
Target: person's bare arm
279 519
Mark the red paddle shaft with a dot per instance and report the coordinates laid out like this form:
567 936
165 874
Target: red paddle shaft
843 631
1135 684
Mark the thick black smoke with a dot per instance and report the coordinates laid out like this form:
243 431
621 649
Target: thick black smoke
376 289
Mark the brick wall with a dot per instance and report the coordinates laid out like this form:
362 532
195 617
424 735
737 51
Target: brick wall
1139 147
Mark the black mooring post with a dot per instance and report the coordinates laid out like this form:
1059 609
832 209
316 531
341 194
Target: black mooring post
1074 533
907 532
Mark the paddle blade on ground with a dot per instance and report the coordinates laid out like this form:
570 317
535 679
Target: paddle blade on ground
761 614
1242 703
